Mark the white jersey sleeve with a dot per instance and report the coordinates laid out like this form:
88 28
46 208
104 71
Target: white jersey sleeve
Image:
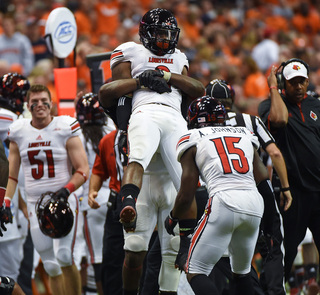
142 59
43 153
6 119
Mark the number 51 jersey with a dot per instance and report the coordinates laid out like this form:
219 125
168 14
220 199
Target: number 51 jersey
43 153
224 156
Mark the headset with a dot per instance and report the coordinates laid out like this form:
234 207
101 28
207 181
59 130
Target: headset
279 74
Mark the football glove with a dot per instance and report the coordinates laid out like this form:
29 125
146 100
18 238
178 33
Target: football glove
6 215
2 226
265 245
182 256
61 195
153 79
170 223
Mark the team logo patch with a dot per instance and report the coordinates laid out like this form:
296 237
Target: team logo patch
296 67
313 116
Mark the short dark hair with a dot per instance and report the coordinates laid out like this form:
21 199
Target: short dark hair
36 88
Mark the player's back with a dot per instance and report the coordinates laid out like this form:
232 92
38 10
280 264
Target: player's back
224 156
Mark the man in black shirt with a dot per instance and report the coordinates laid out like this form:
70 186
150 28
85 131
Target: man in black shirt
292 117
271 278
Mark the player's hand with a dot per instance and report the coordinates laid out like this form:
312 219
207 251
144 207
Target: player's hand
123 144
265 243
170 223
61 195
153 79
2 226
92 200
160 85
147 77
7 216
182 256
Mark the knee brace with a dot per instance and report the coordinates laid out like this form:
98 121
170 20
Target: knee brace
6 285
52 268
135 243
169 275
64 256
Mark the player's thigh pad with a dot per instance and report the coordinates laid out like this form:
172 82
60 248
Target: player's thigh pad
143 136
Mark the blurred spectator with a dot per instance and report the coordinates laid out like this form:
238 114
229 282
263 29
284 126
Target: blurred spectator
86 18
255 86
15 47
107 16
306 20
38 43
266 52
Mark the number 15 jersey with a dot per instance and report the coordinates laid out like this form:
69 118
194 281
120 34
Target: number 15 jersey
43 153
224 158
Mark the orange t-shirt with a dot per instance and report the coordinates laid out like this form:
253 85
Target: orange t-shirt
307 25
256 86
107 17
105 163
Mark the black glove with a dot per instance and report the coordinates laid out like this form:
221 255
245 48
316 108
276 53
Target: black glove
147 77
123 146
265 245
2 222
6 215
7 285
61 195
153 79
170 223
182 256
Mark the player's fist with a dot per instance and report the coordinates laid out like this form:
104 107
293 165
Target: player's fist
160 85
170 223
154 80
3 227
147 77
62 194
7 214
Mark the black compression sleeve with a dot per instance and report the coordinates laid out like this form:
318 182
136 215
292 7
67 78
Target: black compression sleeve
123 112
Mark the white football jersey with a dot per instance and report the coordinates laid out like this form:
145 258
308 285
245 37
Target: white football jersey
43 153
6 119
224 156
142 59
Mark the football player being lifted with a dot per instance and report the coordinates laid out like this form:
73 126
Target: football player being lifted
48 148
154 74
